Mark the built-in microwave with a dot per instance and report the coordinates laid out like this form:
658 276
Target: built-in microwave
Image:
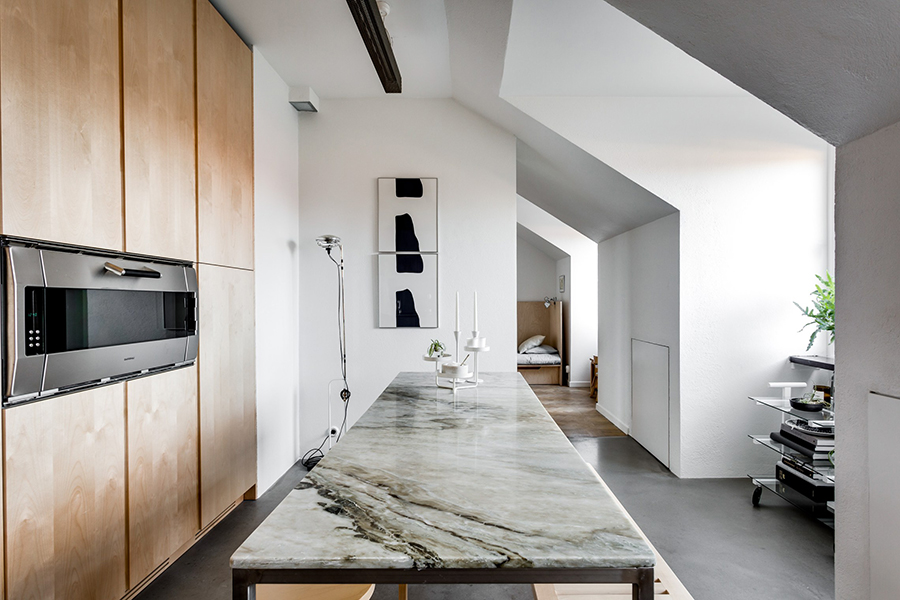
77 317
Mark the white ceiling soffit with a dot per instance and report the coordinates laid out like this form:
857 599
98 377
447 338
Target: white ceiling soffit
830 66
552 172
589 48
530 237
585 193
316 43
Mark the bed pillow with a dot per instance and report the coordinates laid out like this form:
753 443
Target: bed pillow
532 342
542 349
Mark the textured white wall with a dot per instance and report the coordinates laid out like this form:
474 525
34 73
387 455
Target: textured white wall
639 290
750 186
277 225
581 285
564 268
867 215
535 272
343 150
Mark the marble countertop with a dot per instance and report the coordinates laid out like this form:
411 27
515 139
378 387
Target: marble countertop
426 479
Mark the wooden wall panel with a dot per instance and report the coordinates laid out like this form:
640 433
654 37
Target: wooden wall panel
533 318
60 131
163 468
160 169
227 387
65 497
224 142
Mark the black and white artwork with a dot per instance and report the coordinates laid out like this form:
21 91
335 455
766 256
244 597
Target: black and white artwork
407 215
407 290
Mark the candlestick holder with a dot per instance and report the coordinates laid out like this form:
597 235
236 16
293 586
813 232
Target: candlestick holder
476 345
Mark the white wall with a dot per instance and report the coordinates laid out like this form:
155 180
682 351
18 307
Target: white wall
868 342
564 269
277 224
639 290
535 272
751 187
343 150
581 285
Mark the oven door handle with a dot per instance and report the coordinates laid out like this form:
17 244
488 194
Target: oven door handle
122 272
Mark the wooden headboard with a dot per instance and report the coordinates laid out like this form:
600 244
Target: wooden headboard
536 319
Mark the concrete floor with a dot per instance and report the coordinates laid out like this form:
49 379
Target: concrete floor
715 541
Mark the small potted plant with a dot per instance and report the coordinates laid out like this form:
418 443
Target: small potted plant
822 310
436 347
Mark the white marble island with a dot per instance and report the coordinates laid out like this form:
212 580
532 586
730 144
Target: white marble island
480 486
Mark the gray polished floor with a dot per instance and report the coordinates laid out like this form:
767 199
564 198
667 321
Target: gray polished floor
718 545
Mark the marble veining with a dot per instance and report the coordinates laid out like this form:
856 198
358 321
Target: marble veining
428 479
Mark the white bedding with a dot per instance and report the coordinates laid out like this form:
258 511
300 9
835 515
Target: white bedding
538 359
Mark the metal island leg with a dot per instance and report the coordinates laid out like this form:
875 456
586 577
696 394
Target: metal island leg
643 588
243 585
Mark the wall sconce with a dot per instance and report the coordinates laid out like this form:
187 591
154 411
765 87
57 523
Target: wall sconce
548 300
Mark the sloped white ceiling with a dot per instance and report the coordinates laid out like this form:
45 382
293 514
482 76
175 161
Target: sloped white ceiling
834 67
316 43
523 233
552 172
589 48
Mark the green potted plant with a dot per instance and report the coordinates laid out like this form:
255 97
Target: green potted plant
822 310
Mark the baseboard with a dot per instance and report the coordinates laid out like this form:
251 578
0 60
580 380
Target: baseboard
579 384
613 419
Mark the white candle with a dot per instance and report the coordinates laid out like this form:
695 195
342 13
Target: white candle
457 311
476 311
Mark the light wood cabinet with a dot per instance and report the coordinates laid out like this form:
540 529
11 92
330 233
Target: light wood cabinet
224 142
159 127
227 388
65 497
134 132
60 135
163 468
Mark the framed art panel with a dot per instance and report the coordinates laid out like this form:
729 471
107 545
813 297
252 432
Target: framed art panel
408 290
407 215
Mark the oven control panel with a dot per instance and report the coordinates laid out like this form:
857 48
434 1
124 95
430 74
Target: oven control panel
34 321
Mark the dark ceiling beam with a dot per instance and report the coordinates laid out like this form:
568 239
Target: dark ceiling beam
375 36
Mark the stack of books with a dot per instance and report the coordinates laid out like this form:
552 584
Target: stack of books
803 480
812 446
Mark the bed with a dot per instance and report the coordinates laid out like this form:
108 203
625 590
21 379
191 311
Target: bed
538 359
534 318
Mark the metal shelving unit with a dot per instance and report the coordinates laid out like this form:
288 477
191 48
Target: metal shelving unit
822 512
823 469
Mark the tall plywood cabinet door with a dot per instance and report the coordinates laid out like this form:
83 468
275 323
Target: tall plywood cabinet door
160 170
60 135
163 468
65 497
224 142
227 388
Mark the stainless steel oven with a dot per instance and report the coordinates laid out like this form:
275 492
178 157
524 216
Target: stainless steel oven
79 317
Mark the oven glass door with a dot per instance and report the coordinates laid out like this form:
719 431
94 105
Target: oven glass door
80 319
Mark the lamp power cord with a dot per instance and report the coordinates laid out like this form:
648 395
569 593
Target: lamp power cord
312 457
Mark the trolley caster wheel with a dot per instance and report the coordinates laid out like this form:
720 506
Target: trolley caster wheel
757 493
